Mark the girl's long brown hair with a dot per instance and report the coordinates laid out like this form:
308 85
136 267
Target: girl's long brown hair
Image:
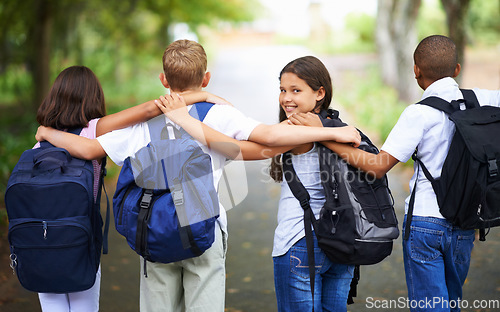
314 73
75 98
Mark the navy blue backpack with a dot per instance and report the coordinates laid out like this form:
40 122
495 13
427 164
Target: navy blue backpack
165 203
55 227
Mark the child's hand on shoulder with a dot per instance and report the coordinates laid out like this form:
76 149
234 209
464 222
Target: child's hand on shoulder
41 133
305 119
212 98
173 106
191 97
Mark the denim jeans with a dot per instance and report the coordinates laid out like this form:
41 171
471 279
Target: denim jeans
436 261
291 280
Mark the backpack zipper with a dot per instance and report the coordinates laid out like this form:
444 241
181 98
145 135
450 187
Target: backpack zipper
46 225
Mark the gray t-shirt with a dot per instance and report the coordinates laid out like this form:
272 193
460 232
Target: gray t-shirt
290 227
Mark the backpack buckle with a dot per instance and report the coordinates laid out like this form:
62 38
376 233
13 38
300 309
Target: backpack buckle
146 199
492 167
304 203
178 197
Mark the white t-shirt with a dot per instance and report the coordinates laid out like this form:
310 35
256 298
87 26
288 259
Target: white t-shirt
120 144
430 131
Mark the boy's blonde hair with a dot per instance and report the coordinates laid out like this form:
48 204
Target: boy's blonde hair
184 65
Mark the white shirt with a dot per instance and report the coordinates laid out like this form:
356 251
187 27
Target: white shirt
430 131
120 144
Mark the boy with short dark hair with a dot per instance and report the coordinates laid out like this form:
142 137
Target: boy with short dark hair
437 254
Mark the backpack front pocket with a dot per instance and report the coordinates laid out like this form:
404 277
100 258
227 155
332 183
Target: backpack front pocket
53 255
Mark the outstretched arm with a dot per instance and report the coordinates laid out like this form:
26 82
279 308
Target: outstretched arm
269 135
285 134
77 146
175 108
127 117
374 164
145 111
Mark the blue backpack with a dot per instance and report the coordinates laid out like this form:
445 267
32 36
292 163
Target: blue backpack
165 203
55 227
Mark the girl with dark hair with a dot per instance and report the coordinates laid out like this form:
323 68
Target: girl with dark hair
76 100
305 86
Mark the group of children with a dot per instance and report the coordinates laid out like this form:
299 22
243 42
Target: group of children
198 284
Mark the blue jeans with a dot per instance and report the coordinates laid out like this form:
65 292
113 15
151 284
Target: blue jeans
291 280
436 261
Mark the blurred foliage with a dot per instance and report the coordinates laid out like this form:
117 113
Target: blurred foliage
484 18
121 41
373 105
431 19
116 39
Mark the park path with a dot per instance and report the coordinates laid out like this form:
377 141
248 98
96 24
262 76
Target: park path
248 77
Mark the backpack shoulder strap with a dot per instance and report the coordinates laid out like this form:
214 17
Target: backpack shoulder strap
411 203
300 192
200 110
470 98
103 173
158 130
330 118
470 101
297 188
440 104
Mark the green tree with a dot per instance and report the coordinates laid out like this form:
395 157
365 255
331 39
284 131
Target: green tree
34 33
456 14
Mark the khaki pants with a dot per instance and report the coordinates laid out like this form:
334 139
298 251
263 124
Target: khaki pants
191 285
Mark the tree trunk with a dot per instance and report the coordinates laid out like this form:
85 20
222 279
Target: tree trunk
456 14
39 60
396 37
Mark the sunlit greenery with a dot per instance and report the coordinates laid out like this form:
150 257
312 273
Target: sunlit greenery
374 106
123 41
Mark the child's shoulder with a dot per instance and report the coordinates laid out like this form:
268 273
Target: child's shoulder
419 111
219 112
90 130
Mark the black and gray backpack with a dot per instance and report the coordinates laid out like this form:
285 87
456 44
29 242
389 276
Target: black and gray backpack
357 224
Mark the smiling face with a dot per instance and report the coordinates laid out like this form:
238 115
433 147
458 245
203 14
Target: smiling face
296 96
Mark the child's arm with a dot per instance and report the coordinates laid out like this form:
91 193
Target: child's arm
229 147
269 135
232 148
77 146
145 111
127 117
374 164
